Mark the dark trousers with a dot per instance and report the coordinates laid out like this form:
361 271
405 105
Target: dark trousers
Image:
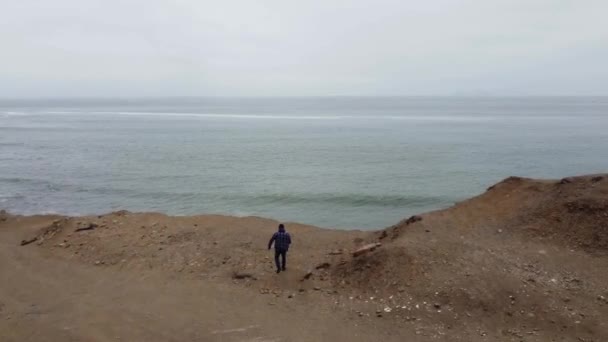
283 254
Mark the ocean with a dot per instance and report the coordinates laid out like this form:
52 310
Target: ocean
339 162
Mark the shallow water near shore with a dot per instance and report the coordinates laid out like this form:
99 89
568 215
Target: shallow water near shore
333 162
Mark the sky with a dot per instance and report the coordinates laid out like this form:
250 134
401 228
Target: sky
141 48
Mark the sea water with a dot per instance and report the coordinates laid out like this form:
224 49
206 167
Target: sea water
343 162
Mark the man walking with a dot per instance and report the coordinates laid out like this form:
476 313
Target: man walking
281 240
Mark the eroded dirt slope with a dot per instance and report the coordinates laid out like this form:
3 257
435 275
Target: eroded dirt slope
525 261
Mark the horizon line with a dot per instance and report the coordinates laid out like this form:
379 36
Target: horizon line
152 97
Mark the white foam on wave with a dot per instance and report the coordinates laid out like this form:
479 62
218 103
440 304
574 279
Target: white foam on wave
443 118
201 115
433 118
8 114
62 113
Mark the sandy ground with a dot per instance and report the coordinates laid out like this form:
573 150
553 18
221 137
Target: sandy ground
525 261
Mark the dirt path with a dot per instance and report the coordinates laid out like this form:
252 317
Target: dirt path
46 300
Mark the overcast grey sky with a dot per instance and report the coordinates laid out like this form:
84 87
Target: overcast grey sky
291 48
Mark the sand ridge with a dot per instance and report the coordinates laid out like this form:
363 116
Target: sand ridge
523 261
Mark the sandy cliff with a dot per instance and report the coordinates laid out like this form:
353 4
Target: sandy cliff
524 261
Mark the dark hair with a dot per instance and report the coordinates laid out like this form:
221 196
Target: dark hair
281 226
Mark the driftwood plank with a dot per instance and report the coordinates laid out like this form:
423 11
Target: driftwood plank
366 249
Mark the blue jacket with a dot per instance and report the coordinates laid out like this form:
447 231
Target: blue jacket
281 240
